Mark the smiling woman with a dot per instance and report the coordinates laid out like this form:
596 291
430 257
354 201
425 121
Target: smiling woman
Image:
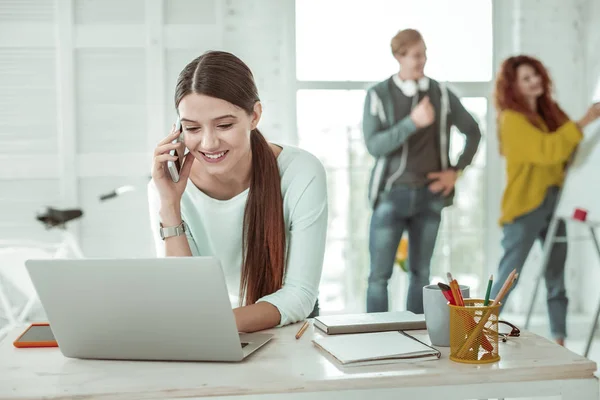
201 135
258 207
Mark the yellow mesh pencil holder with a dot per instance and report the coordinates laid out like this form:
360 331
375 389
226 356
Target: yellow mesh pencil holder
474 332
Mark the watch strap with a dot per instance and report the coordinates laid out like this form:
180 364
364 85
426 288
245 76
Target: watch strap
169 231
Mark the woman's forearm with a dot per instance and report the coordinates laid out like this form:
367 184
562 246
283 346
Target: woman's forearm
582 123
175 246
256 317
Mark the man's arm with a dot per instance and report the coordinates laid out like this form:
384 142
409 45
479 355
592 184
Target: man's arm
467 125
379 141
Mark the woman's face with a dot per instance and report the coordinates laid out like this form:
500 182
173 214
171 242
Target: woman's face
217 132
529 82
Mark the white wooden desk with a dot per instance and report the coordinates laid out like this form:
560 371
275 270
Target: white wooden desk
530 366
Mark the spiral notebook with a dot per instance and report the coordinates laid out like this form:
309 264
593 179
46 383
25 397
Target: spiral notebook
362 349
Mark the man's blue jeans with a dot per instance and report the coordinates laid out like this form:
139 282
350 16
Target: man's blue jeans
418 211
518 239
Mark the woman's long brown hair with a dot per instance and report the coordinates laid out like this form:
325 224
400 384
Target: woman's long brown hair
507 96
224 76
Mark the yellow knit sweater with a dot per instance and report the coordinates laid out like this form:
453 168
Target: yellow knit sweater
535 160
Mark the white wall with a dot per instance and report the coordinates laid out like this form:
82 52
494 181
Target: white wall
86 91
592 53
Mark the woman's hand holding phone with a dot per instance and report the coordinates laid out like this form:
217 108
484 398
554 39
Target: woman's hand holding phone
170 192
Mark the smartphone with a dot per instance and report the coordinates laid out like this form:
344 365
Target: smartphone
174 167
36 335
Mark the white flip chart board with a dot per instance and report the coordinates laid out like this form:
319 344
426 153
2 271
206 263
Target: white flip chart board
581 188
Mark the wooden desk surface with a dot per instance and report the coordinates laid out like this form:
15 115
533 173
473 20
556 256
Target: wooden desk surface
285 365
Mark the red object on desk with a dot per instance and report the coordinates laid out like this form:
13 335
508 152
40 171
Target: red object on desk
447 292
580 214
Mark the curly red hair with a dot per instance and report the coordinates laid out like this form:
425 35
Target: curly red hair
507 96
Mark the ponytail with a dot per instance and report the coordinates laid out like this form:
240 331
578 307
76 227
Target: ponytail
263 239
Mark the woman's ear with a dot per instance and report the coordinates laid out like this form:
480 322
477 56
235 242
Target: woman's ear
256 114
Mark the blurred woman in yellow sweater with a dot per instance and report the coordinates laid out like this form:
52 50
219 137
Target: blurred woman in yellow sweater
537 139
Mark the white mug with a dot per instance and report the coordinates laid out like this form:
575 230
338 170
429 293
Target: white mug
437 314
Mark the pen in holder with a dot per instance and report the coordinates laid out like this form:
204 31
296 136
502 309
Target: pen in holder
474 332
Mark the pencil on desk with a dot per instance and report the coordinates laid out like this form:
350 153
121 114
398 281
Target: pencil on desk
302 329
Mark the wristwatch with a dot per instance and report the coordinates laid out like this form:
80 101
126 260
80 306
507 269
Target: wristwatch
169 231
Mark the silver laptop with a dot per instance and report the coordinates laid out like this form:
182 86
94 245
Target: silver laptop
174 308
